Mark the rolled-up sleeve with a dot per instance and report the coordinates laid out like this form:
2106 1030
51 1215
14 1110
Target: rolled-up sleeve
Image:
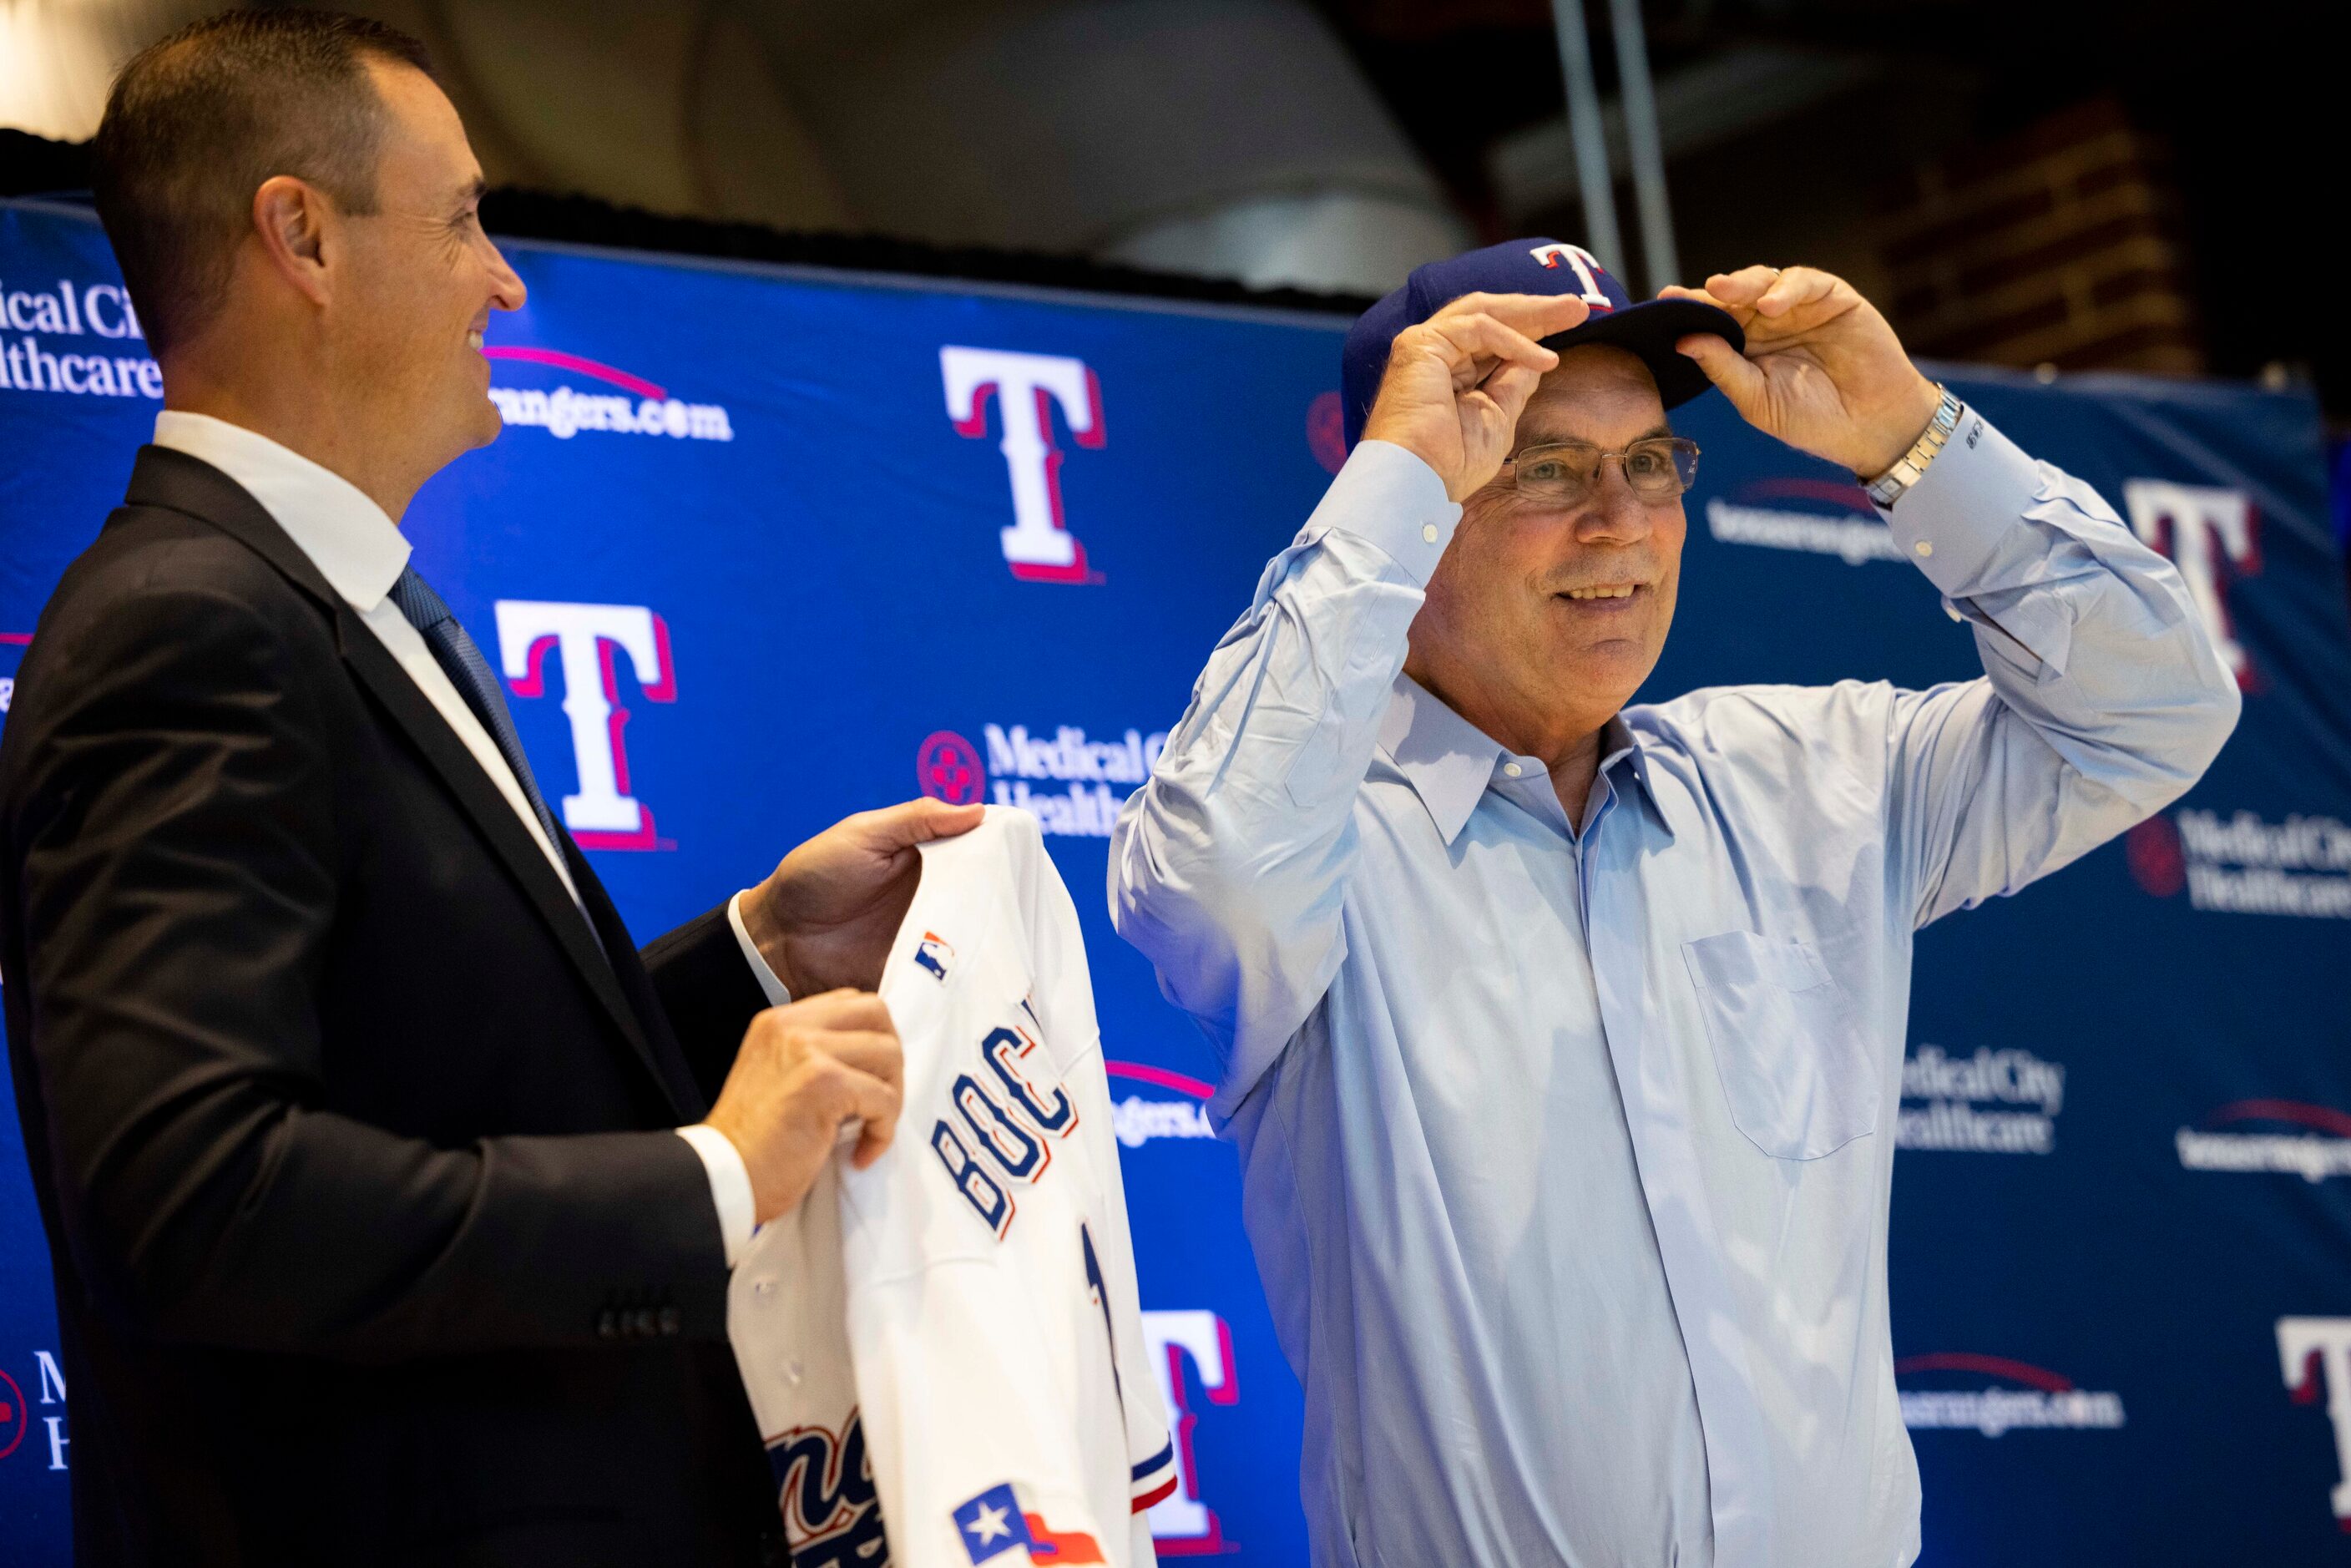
2103 699
1228 868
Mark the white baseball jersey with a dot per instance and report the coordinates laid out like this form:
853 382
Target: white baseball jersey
948 1344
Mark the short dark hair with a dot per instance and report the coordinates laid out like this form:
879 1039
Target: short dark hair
196 122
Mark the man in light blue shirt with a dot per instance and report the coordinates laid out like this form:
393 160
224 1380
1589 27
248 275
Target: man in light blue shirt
1561 1039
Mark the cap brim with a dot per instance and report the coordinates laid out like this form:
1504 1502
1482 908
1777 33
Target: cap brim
1650 329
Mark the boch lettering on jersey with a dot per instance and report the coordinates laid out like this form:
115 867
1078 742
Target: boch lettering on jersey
1005 1124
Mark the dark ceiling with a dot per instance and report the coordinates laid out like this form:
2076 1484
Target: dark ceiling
2246 99
2247 111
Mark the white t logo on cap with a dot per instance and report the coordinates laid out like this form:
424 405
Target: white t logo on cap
1585 264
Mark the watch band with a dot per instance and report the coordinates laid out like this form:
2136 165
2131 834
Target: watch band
1888 487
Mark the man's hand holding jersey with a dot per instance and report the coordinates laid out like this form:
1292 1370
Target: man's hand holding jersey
824 922
806 1071
827 916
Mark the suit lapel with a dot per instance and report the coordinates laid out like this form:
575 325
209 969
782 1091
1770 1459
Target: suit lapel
184 483
686 1094
179 483
497 822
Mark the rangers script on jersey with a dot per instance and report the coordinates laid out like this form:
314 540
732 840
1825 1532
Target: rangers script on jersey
949 1342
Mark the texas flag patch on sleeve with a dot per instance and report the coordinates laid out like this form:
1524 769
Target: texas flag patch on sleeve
994 1523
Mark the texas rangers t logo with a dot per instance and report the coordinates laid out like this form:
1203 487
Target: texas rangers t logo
1038 546
1584 264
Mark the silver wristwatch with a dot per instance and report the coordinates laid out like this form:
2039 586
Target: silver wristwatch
1888 487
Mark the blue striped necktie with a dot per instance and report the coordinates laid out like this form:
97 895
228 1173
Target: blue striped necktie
470 673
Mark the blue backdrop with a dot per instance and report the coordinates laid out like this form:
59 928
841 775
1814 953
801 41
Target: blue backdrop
759 548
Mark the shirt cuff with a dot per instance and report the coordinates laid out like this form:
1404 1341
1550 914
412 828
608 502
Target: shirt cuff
777 995
1978 486
730 1186
1390 497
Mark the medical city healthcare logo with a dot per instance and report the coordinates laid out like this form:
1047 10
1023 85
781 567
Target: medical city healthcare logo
1992 1102
2246 863
1065 782
42 361
1993 1396
14 1417
564 410
19 1417
2269 1137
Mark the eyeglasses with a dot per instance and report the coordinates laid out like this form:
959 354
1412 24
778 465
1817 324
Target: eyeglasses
1657 470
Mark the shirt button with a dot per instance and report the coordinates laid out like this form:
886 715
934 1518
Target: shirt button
1428 532
1511 770
1924 547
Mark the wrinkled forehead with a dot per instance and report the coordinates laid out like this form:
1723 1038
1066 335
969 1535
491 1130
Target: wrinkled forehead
1597 393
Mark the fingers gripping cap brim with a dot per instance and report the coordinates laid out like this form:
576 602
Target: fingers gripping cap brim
1650 329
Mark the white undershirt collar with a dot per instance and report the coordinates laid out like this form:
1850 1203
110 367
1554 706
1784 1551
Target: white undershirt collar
355 545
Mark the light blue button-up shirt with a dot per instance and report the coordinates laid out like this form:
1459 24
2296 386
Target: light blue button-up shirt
1566 1147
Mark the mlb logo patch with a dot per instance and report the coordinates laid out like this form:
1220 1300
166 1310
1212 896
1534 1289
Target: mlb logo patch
934 955
994 1523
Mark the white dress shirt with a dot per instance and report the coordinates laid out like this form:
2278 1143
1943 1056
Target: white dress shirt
361 553
1567 1147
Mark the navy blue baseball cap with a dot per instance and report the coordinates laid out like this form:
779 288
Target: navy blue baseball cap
1648 327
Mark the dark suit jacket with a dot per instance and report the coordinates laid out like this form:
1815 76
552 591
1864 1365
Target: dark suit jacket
371 1244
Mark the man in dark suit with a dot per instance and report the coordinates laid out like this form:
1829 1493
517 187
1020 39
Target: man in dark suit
392 1194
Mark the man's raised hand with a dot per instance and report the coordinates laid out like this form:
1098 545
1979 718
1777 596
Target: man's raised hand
1455 383
1823 371
804 1074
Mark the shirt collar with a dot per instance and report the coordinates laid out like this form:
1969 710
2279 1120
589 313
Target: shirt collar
1450 762
356 547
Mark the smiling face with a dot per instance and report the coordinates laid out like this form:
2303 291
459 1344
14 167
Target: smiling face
1543 618
422 279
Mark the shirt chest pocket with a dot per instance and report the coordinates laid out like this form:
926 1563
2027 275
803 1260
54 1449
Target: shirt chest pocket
1794 1064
